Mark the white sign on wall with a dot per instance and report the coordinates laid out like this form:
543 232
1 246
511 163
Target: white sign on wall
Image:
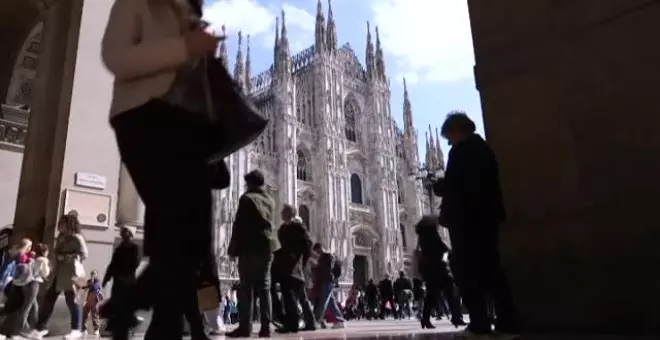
90 180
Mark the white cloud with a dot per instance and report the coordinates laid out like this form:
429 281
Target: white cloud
252 17
429 38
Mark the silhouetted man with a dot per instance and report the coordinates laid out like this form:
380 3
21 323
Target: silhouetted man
386 290
253 243
403 293
291 258
371 297
123 264
471 209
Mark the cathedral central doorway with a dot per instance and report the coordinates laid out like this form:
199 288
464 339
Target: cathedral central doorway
360 270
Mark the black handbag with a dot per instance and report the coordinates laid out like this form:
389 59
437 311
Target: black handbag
206 87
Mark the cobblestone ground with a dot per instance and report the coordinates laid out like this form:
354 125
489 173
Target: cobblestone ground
357 329
410 330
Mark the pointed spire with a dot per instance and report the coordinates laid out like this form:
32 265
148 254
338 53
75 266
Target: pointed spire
428 159
407 110
284 39
380 58
369 55
239 67
282 53
277 38
432 153
331 32
438 150
319 31
248 67
222 51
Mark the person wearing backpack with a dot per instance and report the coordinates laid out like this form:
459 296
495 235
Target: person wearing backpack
326 280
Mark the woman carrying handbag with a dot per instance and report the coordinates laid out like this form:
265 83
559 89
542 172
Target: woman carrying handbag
166 141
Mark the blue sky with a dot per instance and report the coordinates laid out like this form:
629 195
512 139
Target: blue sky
427 41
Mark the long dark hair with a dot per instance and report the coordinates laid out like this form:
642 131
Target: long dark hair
196 7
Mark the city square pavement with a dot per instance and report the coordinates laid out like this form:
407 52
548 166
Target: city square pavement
410 329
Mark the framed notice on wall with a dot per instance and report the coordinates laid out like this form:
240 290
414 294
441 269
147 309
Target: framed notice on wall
92 208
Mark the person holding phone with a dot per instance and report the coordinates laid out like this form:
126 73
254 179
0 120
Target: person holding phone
164 148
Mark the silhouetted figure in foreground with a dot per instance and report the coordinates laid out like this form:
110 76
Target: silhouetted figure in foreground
435 272
472 209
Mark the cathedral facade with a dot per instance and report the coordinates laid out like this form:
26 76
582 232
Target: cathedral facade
332 149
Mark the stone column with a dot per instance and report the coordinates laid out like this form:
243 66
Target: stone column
71 160
39 192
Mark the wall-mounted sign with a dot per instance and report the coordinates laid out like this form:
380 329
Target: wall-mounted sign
91 208
90 180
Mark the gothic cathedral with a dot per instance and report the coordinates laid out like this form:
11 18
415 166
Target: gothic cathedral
333 150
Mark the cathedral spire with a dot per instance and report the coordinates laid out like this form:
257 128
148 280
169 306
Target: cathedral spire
407 110
248 67
428 159
284 39
331 31
433 164
239 68
440 157
222 51
380 59
319 31
276 47
369 55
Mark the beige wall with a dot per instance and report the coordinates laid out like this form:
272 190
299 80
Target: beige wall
10 172
90 142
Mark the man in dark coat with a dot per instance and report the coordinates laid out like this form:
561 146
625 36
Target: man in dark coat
371 295
123 264
471 209
403 293
253 243
296 248
386 290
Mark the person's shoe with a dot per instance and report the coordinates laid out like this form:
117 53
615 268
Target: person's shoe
74 334
426 324
339 325
309 328
264 333
458 323
238 333
285 330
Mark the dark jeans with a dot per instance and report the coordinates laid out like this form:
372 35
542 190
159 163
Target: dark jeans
46 309
436 292
480 277
276 302
164 151
29 310
293 293
254 273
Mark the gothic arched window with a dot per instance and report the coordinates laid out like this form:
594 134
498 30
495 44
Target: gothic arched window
302 167
303 212
404 242
350 112
399 192
356 189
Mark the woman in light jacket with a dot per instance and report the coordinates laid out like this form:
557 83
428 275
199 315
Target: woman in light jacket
164 149
70 251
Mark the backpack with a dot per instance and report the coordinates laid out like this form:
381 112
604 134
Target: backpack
336 268
8 273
